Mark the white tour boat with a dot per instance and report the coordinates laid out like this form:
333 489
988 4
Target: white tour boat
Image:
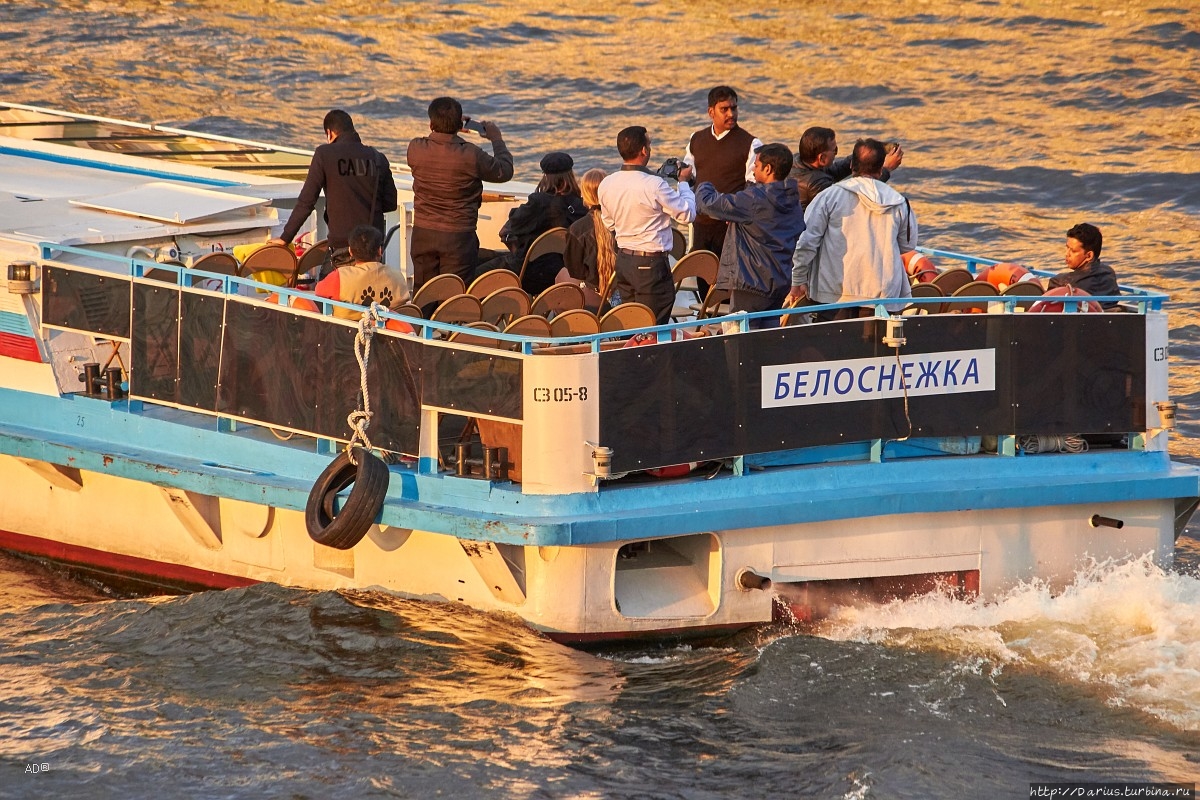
165 419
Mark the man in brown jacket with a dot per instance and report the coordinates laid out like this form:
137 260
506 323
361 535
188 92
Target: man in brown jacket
448 175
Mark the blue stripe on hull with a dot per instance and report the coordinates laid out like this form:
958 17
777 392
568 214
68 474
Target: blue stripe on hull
184 450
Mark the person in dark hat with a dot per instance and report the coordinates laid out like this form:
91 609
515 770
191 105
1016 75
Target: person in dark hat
554 204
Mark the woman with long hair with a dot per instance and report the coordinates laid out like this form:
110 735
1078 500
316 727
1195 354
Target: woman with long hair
591 255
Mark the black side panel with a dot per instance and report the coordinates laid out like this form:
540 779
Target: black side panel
200 327
472 382
705 398
154 345
97 304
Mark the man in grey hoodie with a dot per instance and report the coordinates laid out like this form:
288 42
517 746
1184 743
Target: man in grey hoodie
855 233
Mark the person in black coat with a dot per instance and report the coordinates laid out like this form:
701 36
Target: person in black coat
554 204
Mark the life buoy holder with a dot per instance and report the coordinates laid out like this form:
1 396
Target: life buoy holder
369 482
1047 305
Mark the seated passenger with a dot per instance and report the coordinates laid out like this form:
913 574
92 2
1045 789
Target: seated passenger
1085 270
555 203
591 255
368 280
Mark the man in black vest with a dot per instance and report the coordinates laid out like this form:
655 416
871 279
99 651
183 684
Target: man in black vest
723 155
358 185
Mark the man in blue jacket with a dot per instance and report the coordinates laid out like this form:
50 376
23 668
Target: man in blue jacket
756 259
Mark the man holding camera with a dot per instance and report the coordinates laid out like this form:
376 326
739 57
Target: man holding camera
448 174
638 206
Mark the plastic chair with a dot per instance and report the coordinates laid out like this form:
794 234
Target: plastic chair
492 280
574 322
220 262
271 263
627 316
528 325
925 290
313 259
437 290
952 280
558 298
504 305
679 243
409 310
459 309
465 337
1030 289
711 306
552 241
698 264
981 289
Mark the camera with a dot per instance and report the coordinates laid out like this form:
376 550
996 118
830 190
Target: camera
471 125
890 147
670 169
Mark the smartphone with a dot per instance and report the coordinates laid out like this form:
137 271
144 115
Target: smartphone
471 125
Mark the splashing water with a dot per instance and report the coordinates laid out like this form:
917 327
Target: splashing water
1131 631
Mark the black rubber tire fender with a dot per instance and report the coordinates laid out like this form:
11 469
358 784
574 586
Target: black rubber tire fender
369 482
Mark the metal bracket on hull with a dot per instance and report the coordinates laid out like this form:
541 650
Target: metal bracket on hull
497 565
59 477
199 513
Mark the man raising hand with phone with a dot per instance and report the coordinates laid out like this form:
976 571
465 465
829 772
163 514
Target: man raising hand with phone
448 175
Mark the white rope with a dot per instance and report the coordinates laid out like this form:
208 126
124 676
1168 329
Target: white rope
360 418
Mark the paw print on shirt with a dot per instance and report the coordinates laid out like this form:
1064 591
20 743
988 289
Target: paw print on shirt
368 296
385 297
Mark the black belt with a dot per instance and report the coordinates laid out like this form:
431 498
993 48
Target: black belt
643 253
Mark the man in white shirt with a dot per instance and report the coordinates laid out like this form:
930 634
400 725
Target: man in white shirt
638 207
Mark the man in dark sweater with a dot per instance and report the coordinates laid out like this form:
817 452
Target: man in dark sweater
358 185
448 174
818 167
1085 270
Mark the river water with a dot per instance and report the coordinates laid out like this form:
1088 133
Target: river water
1018 119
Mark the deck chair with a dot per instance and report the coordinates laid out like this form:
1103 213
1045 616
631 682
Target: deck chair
271 263
220 262
711 306
952 280
628 316
504 305
552 241
924 290
574 322
459 309
164 275
679 243
528 325
1027 289
437 290
698 264
492 280
313 260
466 337
557 298
981 289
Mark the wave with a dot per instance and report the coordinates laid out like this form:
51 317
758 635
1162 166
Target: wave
1129 631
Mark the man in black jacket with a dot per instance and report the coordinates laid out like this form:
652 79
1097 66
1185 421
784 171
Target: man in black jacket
818 167
448 175
358 185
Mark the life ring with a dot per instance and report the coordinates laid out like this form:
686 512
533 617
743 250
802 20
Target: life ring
674 470
1051 307
919 266
1004 274
347 528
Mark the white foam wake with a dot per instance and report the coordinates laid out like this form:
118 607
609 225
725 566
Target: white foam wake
1132 629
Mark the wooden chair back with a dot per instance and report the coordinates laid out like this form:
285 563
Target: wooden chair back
437 290
679 243
626 317
528 325
220 262
574 322
925 290
465 337
1026 289
711 306
980 289
557 298
552 241
314 259
459 309
271 263
504 305
492 280
952 280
